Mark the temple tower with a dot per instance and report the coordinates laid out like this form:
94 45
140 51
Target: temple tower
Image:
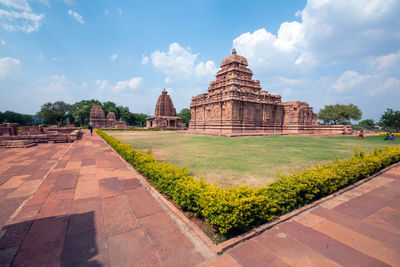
165 114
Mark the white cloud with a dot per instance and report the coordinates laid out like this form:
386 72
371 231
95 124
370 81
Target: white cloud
2 42
348 80
106 11
269 54
119 10
386 62
17 4
178 63
329 32
8 66
40 56
104 86
20 21
390 85
145 60
342 30
57 59
114 57
128 84
76 16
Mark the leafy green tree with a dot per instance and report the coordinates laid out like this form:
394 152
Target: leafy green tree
390 120
11 116
139 119
339 114
367 124
110 106
81 111
55 113
185 115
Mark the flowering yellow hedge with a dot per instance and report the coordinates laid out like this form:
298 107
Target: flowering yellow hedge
239 208
395 134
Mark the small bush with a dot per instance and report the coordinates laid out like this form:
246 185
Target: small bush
238 208
395 134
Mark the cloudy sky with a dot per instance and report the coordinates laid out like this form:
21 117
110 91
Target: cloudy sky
318 51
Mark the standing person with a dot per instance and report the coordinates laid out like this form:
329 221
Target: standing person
361 135
90 127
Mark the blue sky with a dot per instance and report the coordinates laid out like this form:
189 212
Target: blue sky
321 52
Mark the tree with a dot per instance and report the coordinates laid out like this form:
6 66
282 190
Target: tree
139 119
185 115
81 111
55 113
110 107
390 120
367 124
339 114
11 116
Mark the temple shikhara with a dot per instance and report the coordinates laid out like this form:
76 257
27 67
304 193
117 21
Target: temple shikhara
98 119
236 104
165 114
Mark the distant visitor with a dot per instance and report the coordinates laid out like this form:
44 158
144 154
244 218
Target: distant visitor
361 135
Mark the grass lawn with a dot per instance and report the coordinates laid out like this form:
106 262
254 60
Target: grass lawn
254 161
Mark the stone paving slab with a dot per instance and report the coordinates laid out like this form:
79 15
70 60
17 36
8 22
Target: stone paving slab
78 205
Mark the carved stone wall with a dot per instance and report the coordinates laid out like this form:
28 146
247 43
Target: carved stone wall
235 103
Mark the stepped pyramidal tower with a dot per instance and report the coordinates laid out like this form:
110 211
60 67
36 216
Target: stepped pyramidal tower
165 114
98 119
235 104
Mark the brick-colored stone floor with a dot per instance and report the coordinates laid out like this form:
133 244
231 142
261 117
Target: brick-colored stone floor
78 204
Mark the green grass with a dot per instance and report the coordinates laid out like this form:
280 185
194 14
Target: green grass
254 161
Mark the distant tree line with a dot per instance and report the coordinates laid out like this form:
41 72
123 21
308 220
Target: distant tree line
343 114
21 119
78 113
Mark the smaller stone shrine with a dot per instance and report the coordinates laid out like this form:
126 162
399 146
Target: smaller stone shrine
165 114
98 119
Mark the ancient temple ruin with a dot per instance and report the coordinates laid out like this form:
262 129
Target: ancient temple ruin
98 119
165 114
235 104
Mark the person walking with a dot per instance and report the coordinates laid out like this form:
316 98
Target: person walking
90 127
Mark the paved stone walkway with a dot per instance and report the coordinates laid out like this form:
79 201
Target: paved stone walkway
78 204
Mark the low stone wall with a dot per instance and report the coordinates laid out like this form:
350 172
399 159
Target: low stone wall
223 129
65 135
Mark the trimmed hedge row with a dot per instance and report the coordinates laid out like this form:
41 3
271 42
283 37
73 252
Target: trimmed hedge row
239 208
141 129
132 129
395 134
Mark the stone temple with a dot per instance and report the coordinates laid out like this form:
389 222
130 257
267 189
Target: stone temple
98 119
165 114
235 105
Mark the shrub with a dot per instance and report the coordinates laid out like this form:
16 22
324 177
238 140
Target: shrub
239 208
395 134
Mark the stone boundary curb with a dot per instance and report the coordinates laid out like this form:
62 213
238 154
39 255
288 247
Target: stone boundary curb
259 230
221 248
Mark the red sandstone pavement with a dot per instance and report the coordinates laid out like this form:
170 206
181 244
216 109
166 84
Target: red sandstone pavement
79 204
